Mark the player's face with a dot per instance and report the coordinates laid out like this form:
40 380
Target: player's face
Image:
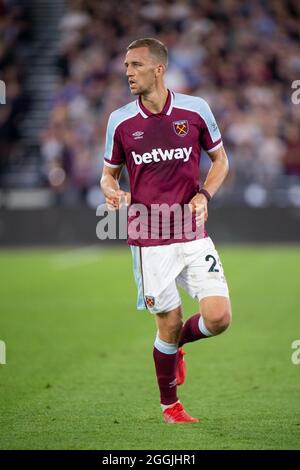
140 70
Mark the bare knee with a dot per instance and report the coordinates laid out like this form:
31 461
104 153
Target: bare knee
220 321
170 332
217 315
169 325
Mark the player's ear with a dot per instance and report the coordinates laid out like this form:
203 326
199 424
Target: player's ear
160 70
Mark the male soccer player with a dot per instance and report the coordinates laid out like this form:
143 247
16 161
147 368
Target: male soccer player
159 138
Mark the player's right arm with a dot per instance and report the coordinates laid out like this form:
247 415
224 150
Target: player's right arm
109 183
114 160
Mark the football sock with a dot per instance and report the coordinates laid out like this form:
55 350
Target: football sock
164 407
193 329
165 359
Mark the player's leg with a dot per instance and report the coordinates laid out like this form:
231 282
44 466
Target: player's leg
168 317
169 326
216 314
165 352
156 269
204 279
215 317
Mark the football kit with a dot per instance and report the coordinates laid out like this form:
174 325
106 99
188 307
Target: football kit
162 155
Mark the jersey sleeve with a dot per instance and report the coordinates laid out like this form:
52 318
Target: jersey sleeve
210 136
114 155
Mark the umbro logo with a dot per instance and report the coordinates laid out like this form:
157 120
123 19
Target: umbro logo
138 135
173 383
214 126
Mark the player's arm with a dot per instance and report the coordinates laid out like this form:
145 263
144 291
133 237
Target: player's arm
109 183
114 160
217 173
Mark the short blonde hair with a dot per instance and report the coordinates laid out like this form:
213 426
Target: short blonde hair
156 48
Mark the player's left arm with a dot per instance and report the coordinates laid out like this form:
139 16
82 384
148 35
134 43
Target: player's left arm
217 173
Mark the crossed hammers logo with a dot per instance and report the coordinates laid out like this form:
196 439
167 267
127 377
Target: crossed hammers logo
181 128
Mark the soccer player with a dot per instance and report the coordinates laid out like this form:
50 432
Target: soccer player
159 138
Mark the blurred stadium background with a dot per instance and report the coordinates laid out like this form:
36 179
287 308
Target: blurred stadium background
62 64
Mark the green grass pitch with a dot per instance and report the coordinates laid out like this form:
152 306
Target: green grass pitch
79 372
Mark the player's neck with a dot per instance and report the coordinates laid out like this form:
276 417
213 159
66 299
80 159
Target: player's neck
155 100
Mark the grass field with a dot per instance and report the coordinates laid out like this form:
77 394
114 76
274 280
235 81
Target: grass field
79 371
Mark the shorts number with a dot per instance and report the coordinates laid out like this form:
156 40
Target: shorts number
212 269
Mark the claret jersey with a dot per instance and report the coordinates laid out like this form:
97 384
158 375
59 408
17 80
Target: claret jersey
161 152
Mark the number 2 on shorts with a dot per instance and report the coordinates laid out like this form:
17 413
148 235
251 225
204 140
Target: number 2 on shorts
212 268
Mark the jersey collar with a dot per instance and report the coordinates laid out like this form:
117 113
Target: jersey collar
166 110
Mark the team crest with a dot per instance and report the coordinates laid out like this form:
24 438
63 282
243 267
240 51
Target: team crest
181 128
150 301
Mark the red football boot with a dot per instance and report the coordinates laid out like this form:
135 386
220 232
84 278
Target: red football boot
181 367
175 414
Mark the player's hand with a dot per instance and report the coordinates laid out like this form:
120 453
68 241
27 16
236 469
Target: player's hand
116 199
198 206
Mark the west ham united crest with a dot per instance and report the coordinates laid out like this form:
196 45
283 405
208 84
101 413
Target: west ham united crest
150 301
181 128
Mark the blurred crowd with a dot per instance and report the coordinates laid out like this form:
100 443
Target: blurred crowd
15 35
241 56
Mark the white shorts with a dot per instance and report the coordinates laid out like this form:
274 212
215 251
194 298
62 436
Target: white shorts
193 265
